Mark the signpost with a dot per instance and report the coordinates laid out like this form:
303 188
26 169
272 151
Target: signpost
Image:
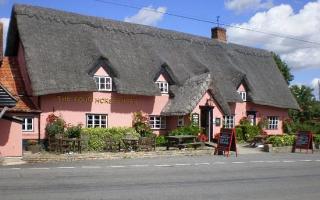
227 142
304 140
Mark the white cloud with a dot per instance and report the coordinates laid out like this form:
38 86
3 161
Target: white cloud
5 22
243 5
147 16
282 20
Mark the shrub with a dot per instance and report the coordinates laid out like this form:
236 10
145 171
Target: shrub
141 124
239 133
186 130
281 140
97 136
317 139
73 131
161 140
55 125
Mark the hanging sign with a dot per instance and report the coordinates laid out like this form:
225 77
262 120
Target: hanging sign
304 140
226 142
195 119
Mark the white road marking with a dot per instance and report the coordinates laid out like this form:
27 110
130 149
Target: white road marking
288 161
238 162
15 168
139 165
317 160
257 161
202 164
273 161
305 160
39 168
163 165
65 167
182 164
117 166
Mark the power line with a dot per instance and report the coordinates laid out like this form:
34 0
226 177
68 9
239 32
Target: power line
207 21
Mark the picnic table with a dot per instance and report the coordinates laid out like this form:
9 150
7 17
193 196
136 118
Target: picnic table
182 141
130 143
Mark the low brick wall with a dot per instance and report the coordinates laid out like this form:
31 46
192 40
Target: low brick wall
52 157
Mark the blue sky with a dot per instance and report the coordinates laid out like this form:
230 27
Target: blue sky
297 18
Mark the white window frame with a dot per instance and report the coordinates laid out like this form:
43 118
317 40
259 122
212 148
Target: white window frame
93 119
163 86
157 122
228 121
180 121
103 86
273 122
26 123
243 95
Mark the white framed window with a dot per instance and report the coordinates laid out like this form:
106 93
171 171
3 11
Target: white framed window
180 122
163 86
104 83
273 122
97 120
27 124
243 95
228 121
157 122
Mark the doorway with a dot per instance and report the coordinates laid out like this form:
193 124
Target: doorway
206 117
252 117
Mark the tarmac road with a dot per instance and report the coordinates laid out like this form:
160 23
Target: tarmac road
257 176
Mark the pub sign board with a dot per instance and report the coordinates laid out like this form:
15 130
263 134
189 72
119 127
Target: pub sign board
195 119
227 142
304 140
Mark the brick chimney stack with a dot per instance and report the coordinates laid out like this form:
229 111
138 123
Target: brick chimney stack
1 41
219 33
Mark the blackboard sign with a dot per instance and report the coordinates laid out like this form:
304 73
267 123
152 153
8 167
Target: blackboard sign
226 142
304 140
195 119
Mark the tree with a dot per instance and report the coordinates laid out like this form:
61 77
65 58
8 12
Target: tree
283 67
306 101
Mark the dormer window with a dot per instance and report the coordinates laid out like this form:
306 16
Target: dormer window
243 95
163 86
104 83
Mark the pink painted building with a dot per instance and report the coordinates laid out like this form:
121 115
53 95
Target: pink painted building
97 72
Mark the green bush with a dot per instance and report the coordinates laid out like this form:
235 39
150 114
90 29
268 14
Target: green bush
239 133
247 132
97 136
281 140
317 139
186 130
161 140
73 131
55 127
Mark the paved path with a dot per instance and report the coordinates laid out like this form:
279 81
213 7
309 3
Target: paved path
255 176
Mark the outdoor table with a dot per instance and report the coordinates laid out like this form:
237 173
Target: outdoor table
131 143
73 143
180 140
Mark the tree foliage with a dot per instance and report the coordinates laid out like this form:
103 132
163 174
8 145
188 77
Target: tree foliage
284 68
306 101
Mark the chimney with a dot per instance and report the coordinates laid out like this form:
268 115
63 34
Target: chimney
1 41
219 33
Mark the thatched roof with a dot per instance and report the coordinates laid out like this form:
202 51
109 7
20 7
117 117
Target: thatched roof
61 48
